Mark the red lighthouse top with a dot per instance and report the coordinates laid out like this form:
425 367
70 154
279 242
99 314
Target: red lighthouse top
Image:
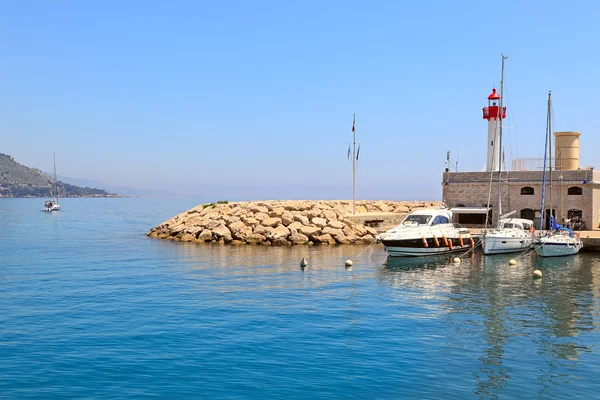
494 95
492 111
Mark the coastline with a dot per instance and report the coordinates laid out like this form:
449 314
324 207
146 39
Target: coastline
287 222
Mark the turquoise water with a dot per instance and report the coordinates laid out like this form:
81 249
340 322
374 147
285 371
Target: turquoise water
91 307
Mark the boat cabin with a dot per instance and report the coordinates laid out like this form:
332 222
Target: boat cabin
515 223
428 217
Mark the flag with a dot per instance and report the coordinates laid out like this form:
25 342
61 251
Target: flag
353 122
348 152
357 152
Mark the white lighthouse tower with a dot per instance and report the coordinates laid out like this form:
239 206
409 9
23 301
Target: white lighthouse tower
492 114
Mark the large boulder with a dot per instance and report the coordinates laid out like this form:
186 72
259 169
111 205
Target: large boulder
278 233
298 238
343 239
323 239
259 209
261 216
222 232
262 230
320 222
255 238
330 215
300 217
249 220
272 222
205 235
309 230
332 231
314 212
240 231
287 218
276 212
336 224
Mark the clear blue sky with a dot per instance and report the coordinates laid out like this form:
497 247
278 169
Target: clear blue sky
254 99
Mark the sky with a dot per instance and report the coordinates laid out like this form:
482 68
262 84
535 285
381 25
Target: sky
254 100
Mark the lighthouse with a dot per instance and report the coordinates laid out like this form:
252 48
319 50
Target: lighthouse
492 114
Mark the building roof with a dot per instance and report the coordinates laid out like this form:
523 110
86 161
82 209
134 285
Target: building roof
494 95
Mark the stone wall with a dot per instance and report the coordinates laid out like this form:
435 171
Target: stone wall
280 222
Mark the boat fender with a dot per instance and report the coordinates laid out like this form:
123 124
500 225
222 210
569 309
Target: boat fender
425 242
471 242
436 241
460 241
450 244
445 240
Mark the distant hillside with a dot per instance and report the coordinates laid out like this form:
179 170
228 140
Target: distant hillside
17 180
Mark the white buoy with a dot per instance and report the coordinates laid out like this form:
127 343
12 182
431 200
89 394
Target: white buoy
537 274
349 263
456 260
512 262
303 263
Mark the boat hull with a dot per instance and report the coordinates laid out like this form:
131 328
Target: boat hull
557 249
416 247
502 245
53 208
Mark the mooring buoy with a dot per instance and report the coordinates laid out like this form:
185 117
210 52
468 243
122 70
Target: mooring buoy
303 263
348 263
512 262
537 274
456 260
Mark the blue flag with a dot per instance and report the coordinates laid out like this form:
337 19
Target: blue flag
348 152
357 152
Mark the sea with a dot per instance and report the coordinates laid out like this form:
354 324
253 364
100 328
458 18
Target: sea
90 307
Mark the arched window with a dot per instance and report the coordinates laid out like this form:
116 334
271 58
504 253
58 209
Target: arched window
527 191
575 191
440 219
528 213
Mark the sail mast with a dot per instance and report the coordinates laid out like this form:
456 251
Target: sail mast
542 211
550 149
500 112
354 165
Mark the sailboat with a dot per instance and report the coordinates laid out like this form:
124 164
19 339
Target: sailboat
52 205
510 234
557 240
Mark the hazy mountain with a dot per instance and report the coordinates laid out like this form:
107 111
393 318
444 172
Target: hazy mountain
121 190
17 180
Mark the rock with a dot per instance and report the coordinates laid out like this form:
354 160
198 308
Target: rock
336 224
320 222
237 242
272 222
280 242
298 238
211 224
287 218
295 225
309 230
222 233
314 212
276 212
205 235
278 233
330 215
249 220
240 231
343 239
366 239
230 219
187 237
323 239
371 231
333 232
262 230
298 216
259 209
260 216
255 238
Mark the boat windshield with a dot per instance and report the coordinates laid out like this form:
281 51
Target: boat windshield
417 220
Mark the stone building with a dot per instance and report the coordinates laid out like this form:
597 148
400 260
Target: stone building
575 191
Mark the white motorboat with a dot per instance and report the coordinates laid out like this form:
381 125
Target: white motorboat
52 205
511 235
426 232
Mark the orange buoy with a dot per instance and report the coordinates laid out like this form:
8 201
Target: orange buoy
450 244
425 244
445 240
460 241
471 242
436 241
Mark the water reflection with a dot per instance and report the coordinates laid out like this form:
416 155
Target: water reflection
550 313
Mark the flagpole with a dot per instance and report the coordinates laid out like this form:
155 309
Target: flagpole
354 165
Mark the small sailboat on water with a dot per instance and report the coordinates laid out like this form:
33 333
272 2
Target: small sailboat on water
52 205
510 234
556 240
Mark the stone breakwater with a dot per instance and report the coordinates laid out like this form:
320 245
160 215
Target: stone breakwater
282 222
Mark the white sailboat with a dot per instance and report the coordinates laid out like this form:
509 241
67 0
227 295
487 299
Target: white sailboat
556 240
510 234
52 205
